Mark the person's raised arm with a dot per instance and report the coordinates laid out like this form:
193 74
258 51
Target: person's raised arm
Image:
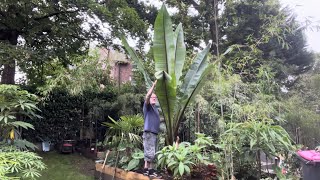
149 93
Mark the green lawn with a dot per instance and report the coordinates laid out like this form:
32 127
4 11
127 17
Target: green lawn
67 167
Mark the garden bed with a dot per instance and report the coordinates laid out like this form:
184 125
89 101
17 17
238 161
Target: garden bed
119 174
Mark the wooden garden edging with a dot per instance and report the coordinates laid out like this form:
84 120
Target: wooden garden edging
107 174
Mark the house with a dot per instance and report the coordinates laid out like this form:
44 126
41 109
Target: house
120 65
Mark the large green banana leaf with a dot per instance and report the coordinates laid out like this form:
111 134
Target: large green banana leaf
198 66
193 82
186 100
164 43
137 61
180 53
169 52
166 93
164 51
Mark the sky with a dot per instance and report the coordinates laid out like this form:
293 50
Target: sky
302 8
307 9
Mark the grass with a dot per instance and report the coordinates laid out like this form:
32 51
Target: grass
66 167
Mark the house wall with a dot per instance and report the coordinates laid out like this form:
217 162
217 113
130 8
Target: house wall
122 72
121 67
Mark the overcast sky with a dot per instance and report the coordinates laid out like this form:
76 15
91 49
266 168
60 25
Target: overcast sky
303 8
307 9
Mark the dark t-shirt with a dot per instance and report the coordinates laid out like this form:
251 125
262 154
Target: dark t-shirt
151 118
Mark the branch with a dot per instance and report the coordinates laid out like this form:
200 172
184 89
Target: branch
78 37
195 5
55 13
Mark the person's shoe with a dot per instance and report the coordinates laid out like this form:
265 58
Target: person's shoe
153 174
145 172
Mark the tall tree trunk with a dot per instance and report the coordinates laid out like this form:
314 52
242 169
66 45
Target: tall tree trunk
9 69
8 73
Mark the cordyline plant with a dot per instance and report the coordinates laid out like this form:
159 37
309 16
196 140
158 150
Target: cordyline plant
169 52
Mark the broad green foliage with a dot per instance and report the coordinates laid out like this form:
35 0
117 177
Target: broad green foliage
16 106
15 164
259 135
132 53
182 158
169 55
126 130
123 137
135 162
244 142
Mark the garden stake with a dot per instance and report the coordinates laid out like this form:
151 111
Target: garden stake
115 166
104 163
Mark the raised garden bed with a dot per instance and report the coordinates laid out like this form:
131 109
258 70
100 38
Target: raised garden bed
107 172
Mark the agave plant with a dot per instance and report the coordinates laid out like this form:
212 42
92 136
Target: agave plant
169 52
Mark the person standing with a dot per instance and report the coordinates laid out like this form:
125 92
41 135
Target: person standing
151 130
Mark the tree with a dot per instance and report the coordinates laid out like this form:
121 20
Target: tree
169 54
202 23
272 35
304 95
266 33
33 33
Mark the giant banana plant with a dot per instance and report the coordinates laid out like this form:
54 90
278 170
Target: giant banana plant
169 52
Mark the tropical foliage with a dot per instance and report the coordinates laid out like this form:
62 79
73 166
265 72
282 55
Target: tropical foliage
183 158
124 137
16 164
126 130
169 54
248 140
263 75
16 106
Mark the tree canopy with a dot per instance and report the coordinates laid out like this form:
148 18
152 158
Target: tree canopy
266 33
33 33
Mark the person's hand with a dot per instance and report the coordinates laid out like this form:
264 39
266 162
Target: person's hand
155 82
